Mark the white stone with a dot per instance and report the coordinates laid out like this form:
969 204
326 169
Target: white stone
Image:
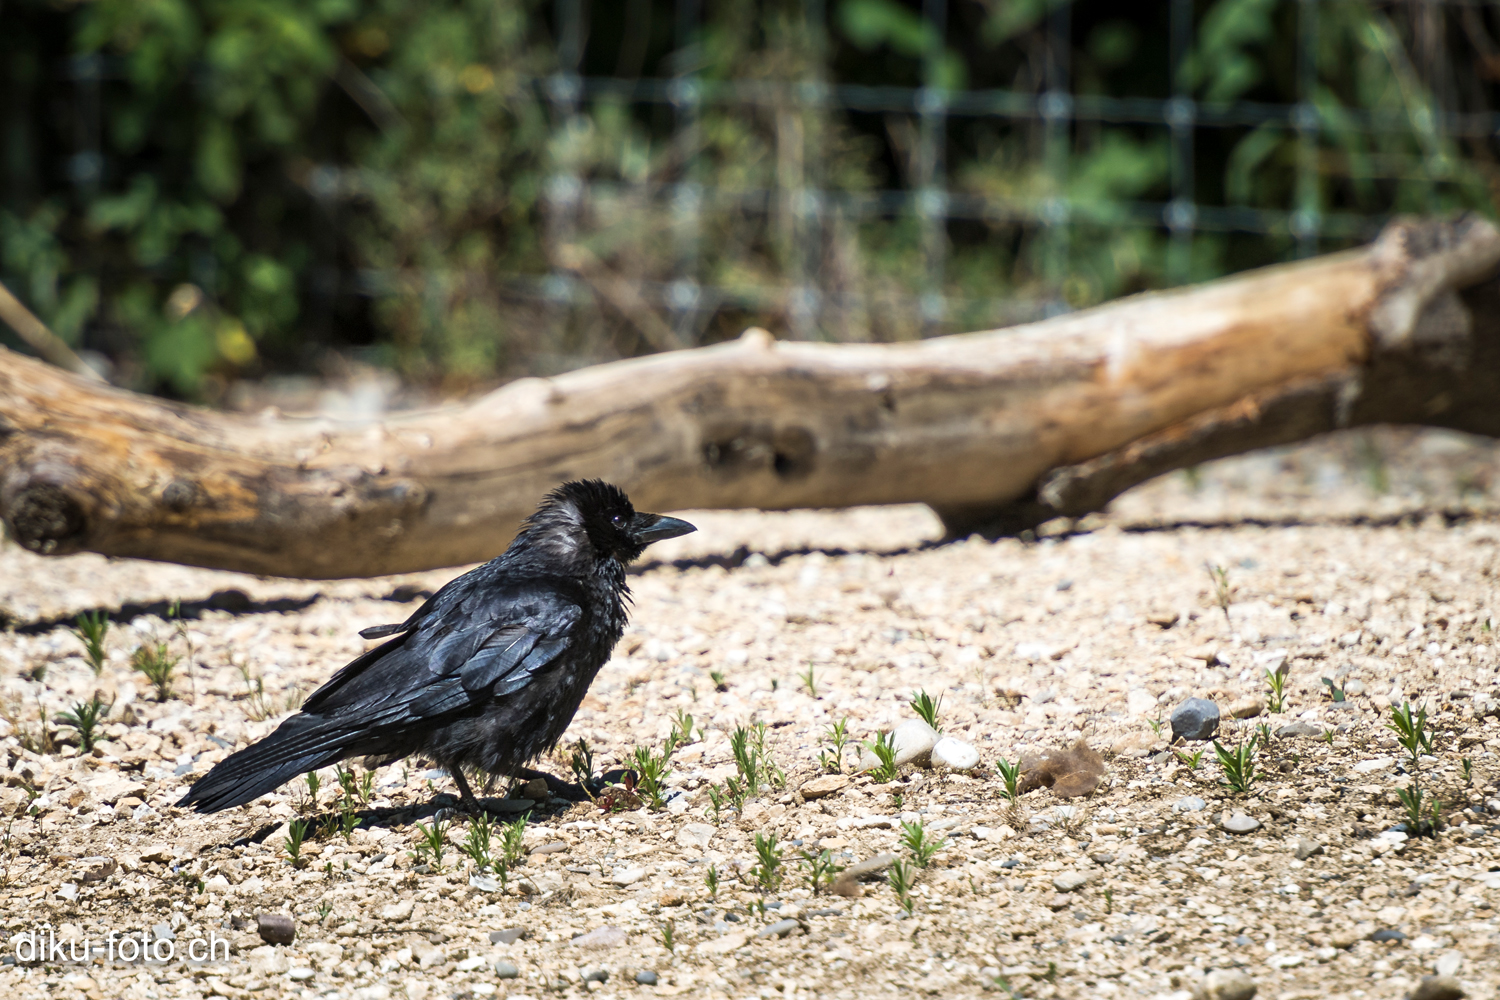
268 961
1139 703
1375 764
301 974
628 876
696 835
954 754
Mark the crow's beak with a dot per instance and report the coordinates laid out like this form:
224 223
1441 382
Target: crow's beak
648 528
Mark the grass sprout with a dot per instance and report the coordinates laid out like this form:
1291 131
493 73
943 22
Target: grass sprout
90 628
926 709
885 754
85 717
922 847
1238 765
902 878
156 663
767 869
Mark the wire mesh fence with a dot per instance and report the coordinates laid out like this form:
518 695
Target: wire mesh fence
931 230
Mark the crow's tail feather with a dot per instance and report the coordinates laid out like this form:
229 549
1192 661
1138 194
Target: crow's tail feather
301 743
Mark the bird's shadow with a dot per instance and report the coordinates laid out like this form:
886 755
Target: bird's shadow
326 826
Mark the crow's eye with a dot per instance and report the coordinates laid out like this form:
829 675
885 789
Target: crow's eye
617 519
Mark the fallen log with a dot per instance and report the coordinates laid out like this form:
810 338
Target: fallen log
997 431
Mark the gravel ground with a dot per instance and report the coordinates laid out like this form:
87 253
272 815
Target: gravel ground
1364 559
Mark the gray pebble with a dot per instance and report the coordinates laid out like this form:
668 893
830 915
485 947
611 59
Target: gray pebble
1298 729
163 932
1195 719
1307 848
1438 988
646 977
780 928
275 928
506 970
508 936
1239 823
1387 934
1189 804
594 975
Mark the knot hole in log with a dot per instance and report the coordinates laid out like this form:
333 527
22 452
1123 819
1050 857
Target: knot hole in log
45 518
789 452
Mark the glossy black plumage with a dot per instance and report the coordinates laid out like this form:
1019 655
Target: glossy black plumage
487 674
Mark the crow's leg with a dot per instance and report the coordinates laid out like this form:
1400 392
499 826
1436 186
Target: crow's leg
466 797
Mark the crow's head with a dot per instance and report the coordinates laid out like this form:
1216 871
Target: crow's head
603 514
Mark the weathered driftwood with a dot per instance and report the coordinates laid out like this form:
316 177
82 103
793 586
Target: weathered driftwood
997 431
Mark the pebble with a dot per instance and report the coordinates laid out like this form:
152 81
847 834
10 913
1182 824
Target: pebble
646 977
1375 764
1189 804
68 891
267 961
627 876
696 835
1069 881
1247 708
954 754
275 928
1239 823
555 847
484 883
397 912
780 928
1195 719
1387 934
506 970
1438 988
1448 963
594 975
1307 848
913 739
301 974
1298 729
607 936
1354 687
508 936
824 785
1228 984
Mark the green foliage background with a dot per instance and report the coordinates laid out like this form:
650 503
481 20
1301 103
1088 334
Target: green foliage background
203 190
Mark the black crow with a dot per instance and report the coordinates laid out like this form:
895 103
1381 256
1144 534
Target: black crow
487 674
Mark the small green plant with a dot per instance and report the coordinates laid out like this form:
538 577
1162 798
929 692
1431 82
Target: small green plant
820 868
296 833
90 629
1328 735
837 737
1238 765
1109 901
513 840
753 760
767 870
926 709
669 935
1010 779
1334 691
1410 727
682 729
324 908
716 803
1155 725
1276 681
85 717
809 680
1263 734
885 755
1192 760
902 878
1423 810
1467 767
431 844
711 881
717 676
582 764
914 838
314 782
156 663
1222 588
476 844
652 771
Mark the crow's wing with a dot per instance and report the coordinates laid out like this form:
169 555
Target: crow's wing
488 642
